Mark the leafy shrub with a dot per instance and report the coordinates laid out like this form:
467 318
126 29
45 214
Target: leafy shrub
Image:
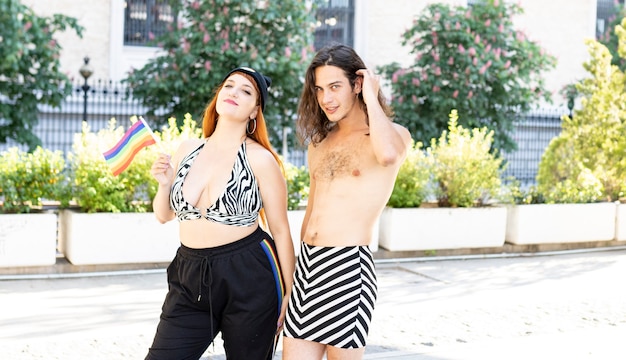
411 186
297 185
513 193
465 171
562 179
26 179
586 162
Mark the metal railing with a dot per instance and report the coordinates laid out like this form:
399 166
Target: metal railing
108 99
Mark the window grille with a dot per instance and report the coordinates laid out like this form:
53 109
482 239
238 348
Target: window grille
334 22
146 19
606 10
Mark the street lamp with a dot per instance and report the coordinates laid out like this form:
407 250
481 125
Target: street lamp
85 71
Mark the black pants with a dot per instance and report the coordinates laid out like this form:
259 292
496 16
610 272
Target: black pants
236 288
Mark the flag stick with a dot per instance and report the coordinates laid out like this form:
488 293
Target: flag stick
156 139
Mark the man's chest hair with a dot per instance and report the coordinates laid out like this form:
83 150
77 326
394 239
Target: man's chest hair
335 160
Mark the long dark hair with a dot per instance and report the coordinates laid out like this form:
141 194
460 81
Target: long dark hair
312 124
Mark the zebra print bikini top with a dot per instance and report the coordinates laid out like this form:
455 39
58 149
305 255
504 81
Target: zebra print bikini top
238 205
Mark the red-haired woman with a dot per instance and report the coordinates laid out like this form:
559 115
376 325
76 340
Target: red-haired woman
229 274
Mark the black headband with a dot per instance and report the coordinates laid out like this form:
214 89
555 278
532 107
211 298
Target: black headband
262 82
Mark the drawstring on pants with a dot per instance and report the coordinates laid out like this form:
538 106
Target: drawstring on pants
206 265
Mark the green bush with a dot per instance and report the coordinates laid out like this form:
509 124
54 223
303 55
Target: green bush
94 187
465 170
297 185
26 179
587 161
411 186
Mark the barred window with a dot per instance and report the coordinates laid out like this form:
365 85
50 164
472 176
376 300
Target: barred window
334 22
146 19
606 10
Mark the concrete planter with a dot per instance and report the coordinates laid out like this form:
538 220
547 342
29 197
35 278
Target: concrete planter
117 238
28 239
295 218
561 223
413 229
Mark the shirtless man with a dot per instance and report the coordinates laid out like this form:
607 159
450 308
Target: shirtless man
354 154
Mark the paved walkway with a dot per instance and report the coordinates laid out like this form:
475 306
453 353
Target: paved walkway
557 306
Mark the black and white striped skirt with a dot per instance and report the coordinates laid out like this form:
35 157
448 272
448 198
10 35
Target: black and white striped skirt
333 296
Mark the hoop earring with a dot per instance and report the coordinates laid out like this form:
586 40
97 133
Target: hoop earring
250 132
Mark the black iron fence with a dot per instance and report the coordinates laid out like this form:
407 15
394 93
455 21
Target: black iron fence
109 99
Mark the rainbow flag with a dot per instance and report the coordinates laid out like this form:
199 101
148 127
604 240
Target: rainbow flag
122 154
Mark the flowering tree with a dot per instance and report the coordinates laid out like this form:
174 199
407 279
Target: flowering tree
212 37
29 69
472 60
586 162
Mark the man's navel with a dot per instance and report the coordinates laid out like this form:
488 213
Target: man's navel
356 172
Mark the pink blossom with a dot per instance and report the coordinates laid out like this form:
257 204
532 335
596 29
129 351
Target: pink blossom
477 39
457 26
436 88
287 52
437 16
496 3
414 99
27 26
400 99
186 46
507 64
436 56
225 46
225 10
150 35
207 65
467 70
455 93
482 69
424 76
501 28
475 61
206 38
416 81
303 53
468 14
437 71
419 56
195 5
488 47
461 49
470 94
471 51
394 77
202 27
487 22
455 76
450 60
